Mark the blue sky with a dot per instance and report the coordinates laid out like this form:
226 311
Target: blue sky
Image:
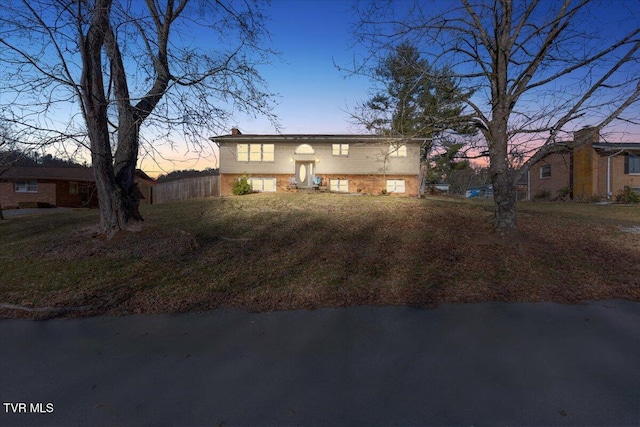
314 95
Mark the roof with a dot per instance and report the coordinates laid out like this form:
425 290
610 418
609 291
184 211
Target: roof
617 146
302 138
62 174
40 172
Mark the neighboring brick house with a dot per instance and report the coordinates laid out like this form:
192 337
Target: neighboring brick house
366 164
589 170
47 186
56 186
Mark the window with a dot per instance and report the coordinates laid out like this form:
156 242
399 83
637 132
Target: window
545 171
632 164
395 186
263 184
256 152
339 185
74 188
26 187
340 149
304 149
396 150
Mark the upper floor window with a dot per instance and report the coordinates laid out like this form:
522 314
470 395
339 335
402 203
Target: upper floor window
545 171
256 152
340 149
397 150
304 149
26 187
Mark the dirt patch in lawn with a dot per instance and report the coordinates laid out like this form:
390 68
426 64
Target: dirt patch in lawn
146 243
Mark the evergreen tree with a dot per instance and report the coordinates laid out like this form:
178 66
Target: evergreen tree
416 99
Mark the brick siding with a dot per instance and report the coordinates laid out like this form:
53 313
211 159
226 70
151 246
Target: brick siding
364 184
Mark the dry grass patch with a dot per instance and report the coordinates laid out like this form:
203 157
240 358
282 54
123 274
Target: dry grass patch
289 251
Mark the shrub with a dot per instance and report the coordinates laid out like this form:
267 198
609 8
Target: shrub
564 193
628 195
241 186
542 195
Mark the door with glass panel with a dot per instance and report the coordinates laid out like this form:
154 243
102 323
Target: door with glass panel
304 174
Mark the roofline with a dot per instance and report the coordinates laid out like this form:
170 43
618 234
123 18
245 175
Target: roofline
309 137
616 146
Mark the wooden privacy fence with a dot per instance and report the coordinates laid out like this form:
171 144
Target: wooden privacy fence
186 188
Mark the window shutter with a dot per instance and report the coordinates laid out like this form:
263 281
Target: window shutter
626 164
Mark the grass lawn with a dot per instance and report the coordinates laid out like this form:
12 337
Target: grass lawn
291 251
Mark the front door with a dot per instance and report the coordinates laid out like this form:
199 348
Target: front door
304 174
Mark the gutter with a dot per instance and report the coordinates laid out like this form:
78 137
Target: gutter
609 172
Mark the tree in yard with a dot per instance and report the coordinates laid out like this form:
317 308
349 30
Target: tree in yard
442 165
137 72
414 99
538 70
472 176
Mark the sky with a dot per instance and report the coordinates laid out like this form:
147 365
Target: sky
313 96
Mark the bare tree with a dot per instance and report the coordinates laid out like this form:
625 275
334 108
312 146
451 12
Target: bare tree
136 72
538 69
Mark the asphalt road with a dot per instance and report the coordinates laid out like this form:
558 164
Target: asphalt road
483 364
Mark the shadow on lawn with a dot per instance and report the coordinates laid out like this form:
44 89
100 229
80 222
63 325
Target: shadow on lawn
412 254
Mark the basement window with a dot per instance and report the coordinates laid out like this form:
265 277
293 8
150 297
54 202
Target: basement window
395 186
545 171
26 187
339 185
263 184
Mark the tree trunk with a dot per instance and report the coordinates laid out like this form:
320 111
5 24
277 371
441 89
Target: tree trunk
117 192
504 197
1 215
502 177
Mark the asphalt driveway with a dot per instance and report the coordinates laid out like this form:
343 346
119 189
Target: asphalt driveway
481 364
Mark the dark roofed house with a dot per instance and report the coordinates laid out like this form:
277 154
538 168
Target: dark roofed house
47 186
72 187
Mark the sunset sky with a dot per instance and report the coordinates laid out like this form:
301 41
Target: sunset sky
313 95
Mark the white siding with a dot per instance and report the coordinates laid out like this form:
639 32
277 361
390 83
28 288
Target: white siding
361 159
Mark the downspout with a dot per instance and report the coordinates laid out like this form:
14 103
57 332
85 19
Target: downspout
609 173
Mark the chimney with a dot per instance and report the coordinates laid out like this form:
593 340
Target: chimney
235 131
586 136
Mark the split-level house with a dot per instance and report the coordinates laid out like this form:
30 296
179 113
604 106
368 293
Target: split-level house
587 169
366 164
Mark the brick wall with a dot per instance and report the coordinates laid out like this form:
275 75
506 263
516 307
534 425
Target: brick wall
560 164
618 179
11 199
364 184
